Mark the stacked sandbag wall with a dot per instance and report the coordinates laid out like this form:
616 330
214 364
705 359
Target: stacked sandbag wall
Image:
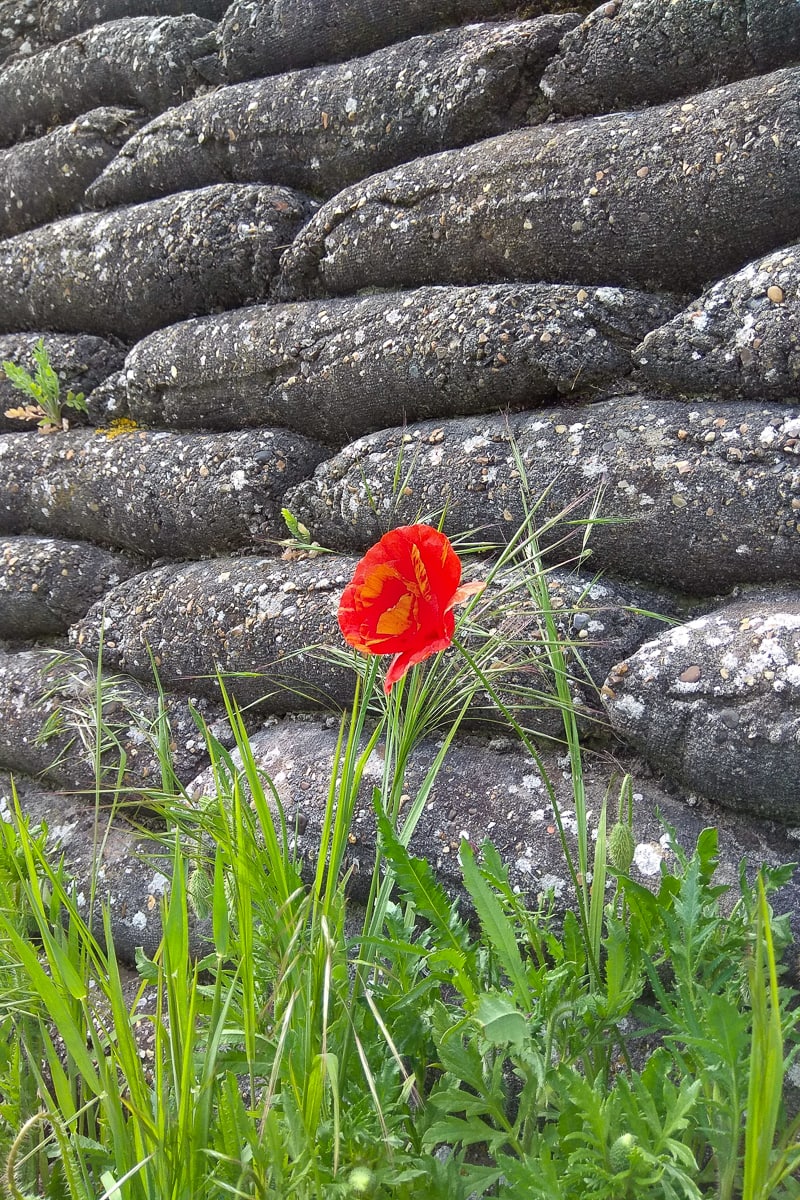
503 253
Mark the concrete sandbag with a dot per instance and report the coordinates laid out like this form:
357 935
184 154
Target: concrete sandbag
60 19
81 362
46 178
177 495
266 37
145 62
669 197
135 269
267 616
127 872
19 32
47 583
121 875
484 789
634 52
738 339
716 704
335 369
490 789
324 128
700 498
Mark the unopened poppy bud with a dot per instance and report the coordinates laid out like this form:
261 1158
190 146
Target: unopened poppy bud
361 1181
619 1156
621 847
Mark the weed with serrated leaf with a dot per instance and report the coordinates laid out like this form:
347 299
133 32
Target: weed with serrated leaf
43 387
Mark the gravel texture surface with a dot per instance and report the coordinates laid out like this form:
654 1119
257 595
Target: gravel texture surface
715 703
46 178
739 338
698 497
136 269
324 128
178 495
267 37
633 52
46 583
145 62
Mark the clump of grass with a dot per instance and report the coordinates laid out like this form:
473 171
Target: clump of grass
634 1045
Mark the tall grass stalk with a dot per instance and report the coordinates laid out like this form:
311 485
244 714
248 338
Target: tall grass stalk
764 1170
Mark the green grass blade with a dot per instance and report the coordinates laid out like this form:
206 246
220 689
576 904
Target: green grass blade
52 997
416 878
766 1059
597 894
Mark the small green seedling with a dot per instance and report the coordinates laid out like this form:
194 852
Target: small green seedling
300 542
44 388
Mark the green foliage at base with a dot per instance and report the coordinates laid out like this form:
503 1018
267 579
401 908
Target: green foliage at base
302 1058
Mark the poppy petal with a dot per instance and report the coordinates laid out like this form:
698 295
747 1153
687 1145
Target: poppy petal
397 669
421 574
466 591
398 619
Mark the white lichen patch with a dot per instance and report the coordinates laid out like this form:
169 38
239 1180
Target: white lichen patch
647 858
628 706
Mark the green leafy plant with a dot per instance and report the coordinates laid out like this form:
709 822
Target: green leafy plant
299 540
44 389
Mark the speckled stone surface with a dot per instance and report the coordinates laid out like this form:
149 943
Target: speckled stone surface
265 619
59 19
700 497
490 790
595 620
135 269
128 872
335 369
46 583
631 52
19 29
324 128
146 62
179 495
667 197
270 627
739 338
715 703
266 37
515 814
46 178
512 373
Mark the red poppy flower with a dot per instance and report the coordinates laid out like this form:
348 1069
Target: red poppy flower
401 597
